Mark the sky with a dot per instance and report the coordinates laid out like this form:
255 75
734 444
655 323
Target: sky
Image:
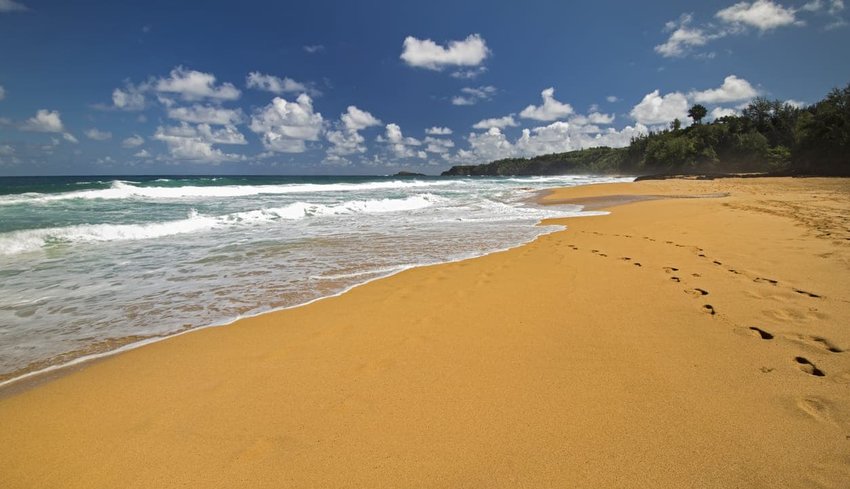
374 87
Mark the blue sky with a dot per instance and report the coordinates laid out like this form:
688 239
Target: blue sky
374 87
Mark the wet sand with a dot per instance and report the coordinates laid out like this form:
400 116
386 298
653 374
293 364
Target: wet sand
677 342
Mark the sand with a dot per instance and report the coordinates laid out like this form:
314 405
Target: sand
621 352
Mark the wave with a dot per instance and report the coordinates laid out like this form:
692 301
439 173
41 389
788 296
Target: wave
126 190
34 239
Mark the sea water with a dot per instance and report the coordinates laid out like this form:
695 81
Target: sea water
88 264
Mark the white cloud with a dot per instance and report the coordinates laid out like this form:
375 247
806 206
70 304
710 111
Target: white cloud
438 145
438 131
718 112
593 118
355 119
346 139
67 136
761 14
314 48
133 141
195 85
733 89
6 150
655 109
683 37
206 114
498 122
469 73
2 92
796 103
12 6
98 135
276 85
195 143
45 121
550 110
285 126
612 99
425 53
472 95
401 146
142 154
131 97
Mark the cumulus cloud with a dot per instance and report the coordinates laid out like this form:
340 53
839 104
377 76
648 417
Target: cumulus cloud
438 145
472 95
206 114
612 98
732 90
284 126
718 112
657 109
195 143
761 14
346 138
438 131
195 85
425 53
276 85
400 145
684 37
498 122
593 118
97 134
129 98
12 6
133 141
44 121
549 110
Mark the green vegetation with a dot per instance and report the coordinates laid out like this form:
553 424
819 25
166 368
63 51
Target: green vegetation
769 136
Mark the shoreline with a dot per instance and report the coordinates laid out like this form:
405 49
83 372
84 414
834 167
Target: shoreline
673 326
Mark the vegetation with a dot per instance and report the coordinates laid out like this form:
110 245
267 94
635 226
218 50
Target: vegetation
769 136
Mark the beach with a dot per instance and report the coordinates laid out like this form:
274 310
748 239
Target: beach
694 337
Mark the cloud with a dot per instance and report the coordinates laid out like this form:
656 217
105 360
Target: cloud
2 92
67 136
129 98
425 53
44 121
195 85
683 37
498 122
550 110
438 145
718 112
733 89
133 141
205 114
399 145
592 118
612 99
195 143
761 14
273 84
12 6
6 150
346 138
142 154
471 95
98 135
285 126
438 131
655 109
314 48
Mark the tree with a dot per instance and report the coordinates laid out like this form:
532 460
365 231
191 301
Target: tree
676 125
697 112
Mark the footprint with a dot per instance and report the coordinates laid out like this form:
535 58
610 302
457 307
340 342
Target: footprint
817 408
816 341
637 264
670 269
709 309
808 367
603 255
765 280
697 292
815 296
675 279
625 258
696 275
717 262
762 333
736 272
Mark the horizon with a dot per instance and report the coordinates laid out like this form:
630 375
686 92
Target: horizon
123 90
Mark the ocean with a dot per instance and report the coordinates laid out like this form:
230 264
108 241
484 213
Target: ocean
92 264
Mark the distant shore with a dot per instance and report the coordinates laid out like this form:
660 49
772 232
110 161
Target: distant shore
677 342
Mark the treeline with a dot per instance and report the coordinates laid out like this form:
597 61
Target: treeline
769 136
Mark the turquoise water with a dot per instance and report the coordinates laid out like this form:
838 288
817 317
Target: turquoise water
88 263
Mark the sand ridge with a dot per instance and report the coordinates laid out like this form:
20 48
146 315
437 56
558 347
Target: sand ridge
673 343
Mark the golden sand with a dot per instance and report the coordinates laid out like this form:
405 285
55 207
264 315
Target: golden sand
674 343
